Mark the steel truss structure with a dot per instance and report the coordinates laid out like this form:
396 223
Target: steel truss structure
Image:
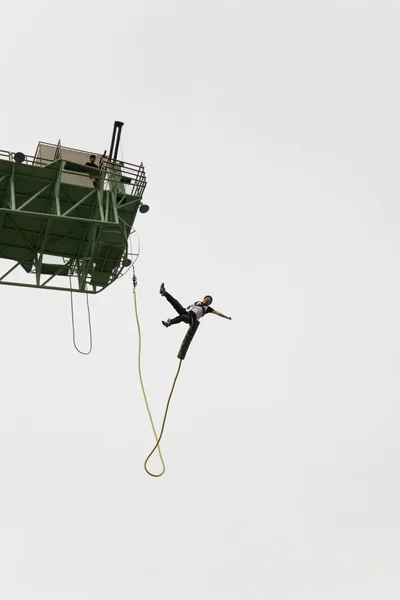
55 235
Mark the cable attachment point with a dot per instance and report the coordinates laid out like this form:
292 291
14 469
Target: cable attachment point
134 278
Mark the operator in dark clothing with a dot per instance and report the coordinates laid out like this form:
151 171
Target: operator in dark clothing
92 164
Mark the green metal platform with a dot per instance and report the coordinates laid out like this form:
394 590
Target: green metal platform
57 235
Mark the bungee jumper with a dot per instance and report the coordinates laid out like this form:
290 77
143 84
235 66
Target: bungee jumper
192 313
191 316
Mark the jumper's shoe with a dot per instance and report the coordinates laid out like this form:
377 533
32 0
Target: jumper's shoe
166 323
162 289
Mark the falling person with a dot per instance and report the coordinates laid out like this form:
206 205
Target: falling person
192 313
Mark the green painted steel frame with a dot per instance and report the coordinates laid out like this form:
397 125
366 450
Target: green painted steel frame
110 212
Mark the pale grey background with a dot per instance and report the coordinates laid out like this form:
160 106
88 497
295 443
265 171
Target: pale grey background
270 135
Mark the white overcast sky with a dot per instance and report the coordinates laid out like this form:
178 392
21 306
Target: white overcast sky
270 135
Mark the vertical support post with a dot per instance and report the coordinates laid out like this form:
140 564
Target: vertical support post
12 189
88 263
114 206
100 195
107 204
57 187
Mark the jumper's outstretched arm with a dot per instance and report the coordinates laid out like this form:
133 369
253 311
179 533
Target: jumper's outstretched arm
215 312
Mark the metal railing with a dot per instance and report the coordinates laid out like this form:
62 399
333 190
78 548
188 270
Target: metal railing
130 177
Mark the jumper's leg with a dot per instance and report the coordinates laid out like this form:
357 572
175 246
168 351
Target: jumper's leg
185 318
177 305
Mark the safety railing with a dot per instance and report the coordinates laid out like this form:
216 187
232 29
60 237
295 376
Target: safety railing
131 177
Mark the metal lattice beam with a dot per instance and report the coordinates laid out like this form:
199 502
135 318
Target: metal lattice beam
41 217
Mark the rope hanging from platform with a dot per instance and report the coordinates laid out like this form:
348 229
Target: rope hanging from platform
73 323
